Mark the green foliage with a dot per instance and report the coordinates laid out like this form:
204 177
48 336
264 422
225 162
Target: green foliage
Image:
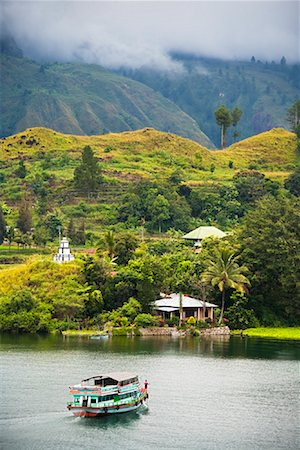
131 308
20 312
52 224
146 320
122 331
77 234
158 204
271 250
250 185
2 226
239 315
21 171
224 120
24 222
293 115
87 176
224 272
292 183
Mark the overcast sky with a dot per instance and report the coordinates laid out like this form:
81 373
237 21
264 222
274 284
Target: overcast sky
138 33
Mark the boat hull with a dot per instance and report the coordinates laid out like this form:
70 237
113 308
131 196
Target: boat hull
96 412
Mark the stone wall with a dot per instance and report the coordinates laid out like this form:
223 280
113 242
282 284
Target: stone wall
216 331
157 331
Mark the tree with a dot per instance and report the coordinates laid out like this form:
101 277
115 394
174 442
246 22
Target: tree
270 248
2 226
110 243
53 224
292 183
236 115
283 61
24 222
126 243
21 171
250 185
40 235
71 230
224 120
87 176
293 115
10 235
223 271
80 234
160 211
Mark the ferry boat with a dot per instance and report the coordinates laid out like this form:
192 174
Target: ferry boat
112 393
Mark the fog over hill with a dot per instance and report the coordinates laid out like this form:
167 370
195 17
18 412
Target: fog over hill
137 34
195 54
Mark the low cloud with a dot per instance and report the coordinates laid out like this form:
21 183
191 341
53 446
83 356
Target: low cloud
135 34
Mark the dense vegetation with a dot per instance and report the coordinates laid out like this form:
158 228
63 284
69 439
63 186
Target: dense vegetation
128 197
117 286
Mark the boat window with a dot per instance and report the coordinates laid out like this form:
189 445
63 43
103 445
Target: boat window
104 398
93 400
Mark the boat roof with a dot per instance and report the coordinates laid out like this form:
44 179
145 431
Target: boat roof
118 376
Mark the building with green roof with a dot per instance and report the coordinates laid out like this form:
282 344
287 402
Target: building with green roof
201 233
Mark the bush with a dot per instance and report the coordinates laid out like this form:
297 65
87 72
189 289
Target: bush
239 316
191 321
173 322
202 324
122 331
146 320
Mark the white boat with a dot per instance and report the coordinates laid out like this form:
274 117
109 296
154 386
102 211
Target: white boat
112 393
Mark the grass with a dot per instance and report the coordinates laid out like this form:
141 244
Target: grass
273 333
148 151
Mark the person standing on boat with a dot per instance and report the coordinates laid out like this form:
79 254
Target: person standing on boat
146 385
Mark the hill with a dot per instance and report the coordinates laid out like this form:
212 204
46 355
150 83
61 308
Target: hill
272 150
196 182
152 153
83 99
263 91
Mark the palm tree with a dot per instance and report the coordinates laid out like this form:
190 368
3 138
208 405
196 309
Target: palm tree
110 244
223 271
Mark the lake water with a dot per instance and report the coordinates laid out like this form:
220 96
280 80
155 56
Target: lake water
204 394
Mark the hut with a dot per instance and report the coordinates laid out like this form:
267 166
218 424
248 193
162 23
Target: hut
201 233
169 306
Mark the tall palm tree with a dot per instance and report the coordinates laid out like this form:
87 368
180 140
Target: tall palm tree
223 271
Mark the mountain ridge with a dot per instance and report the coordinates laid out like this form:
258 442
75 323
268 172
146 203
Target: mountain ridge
84 99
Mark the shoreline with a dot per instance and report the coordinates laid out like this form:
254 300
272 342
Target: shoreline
286 333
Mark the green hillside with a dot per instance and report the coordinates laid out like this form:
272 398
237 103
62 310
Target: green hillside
165 182
83 99
153 154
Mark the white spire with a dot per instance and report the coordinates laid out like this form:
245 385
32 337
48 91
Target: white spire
64 253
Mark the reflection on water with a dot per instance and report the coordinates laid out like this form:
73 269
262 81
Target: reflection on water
216 346
111 421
